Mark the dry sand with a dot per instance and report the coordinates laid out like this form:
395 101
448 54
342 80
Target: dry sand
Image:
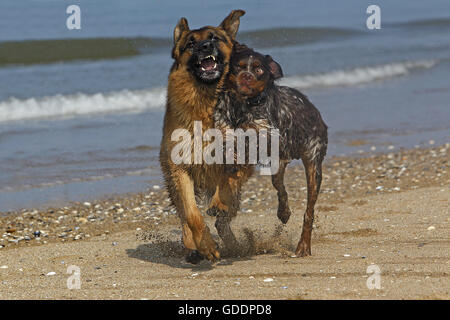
371 212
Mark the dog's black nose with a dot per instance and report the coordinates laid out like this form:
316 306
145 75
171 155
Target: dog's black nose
205 45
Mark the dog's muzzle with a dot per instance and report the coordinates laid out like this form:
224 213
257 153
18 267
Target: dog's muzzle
207 60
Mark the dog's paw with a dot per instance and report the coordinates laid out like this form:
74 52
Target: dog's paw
284 214
207 246
303 249
194 257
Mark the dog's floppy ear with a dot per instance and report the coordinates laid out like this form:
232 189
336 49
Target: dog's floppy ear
181 27
231 23
275 68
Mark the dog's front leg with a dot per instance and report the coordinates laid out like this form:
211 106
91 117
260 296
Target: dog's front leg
284 212
225 203
227 195
221 211
192 218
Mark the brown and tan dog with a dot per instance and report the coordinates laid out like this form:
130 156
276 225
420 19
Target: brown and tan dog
201 64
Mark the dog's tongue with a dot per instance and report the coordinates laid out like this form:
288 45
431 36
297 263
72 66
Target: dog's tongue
208 64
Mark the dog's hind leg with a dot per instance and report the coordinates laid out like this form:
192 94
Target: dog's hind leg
313 169
228 193
226 196
224 230
223 218
284 212
216 206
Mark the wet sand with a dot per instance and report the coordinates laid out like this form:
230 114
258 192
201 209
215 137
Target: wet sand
390 210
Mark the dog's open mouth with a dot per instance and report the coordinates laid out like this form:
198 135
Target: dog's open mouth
208 64
207 67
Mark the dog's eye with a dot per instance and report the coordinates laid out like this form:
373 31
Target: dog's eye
241 65
190 44
213 37
259 71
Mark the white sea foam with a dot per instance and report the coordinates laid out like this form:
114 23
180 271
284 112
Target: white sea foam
356 76
64 106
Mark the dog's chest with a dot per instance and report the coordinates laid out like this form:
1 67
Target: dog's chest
233 114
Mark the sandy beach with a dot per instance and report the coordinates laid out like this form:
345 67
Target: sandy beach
384 211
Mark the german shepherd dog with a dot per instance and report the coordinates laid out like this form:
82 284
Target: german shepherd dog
202 58
251 96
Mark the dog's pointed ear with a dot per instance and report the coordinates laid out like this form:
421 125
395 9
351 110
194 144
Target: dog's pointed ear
181 27
275 68
231 23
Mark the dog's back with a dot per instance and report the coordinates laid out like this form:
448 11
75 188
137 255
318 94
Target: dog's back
302 129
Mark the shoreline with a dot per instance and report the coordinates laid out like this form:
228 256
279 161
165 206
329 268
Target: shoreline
131 250
397 171
50 180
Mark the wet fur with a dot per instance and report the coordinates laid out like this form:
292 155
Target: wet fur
303 133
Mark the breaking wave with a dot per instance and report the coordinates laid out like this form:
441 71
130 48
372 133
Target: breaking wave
356 76
64 106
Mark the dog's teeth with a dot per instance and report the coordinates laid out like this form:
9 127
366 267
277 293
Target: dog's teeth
203 69
210 56
215 65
